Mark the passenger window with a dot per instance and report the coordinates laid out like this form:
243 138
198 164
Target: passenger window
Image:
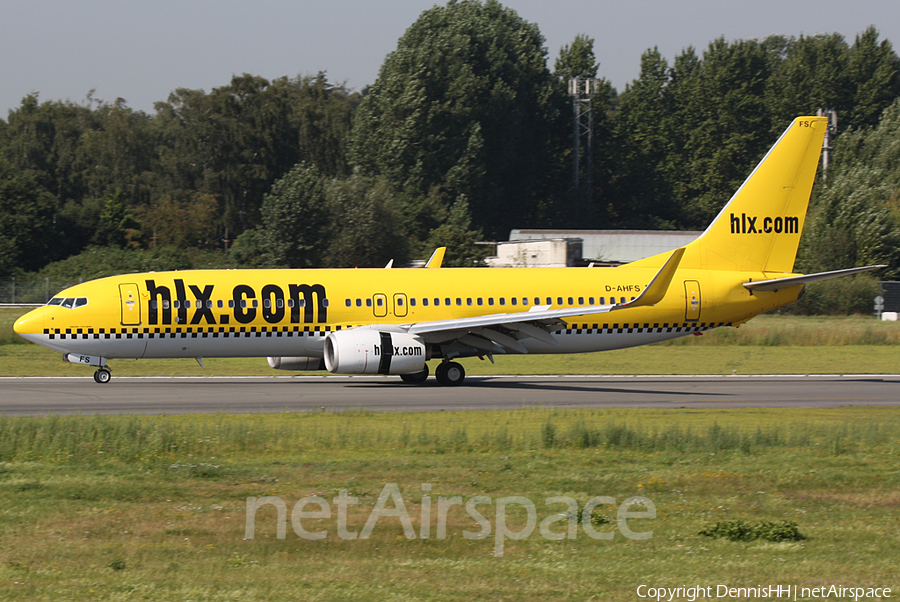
590 301
55 301
580 300
279 303
325 303
537 300
359 303
514 301
243 303
458 301
301 303
255 303
412 301
187 302
348 302
399 301
379 301
446 300
230 303
502 300
425 301
559 301
153 304
549 301
219 304
267 303
469 301
602 300
480 301
524 300
490 300
176 304
368 303
166 304
571 301
290 303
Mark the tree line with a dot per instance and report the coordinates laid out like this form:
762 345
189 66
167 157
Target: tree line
465 134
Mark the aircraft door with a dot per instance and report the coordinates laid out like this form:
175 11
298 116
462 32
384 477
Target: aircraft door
692 300
130 304
400 308
379 305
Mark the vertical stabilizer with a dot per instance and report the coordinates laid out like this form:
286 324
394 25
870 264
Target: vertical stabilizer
759 229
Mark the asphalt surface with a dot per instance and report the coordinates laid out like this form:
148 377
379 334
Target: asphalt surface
124 395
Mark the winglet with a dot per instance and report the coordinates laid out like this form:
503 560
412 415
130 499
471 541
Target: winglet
657 288
437 258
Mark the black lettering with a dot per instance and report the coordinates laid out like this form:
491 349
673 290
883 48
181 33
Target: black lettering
313 298
165 297
735 224
751 225
242 314
202 310
767 225
792 225
180 294
275 312
779 224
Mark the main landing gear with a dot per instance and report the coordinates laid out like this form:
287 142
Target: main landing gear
449 374
102 375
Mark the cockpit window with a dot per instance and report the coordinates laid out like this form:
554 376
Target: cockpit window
69 302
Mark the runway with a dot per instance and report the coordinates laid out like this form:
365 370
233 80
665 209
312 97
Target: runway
158 395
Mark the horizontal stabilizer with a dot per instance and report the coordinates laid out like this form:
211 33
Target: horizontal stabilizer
780 283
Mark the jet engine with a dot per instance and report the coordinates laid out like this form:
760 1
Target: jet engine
360 351
296 363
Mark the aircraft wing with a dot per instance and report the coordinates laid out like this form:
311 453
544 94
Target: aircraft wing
481 331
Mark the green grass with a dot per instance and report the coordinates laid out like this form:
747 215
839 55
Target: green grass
766 345
153 508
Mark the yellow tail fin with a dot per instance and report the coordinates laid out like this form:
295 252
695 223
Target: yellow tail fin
759 229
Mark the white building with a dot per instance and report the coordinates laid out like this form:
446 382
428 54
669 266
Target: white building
560 248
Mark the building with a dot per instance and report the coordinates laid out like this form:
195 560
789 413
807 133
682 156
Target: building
561 248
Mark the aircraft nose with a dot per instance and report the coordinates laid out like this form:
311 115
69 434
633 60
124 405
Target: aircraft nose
30 323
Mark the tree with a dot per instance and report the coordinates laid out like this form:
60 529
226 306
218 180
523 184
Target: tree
855 219
466 104
366 223
26 221
577 60
294 229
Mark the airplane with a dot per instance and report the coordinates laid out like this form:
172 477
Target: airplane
392 321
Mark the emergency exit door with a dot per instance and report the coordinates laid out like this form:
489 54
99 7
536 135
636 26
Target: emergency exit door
692 300
131 307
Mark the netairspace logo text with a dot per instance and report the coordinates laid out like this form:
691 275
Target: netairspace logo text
563 513
790 592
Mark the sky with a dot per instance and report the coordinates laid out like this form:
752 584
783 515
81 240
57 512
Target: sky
141 51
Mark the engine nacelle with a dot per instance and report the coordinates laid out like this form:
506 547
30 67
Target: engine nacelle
296 363
372 352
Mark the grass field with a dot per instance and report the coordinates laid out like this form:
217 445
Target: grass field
154 508
766 345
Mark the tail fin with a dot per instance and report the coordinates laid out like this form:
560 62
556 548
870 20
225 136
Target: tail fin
759 229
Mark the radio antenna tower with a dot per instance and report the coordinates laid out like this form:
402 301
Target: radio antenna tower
582 90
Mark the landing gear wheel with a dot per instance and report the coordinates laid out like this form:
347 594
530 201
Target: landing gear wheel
415 379
102 376
450 374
